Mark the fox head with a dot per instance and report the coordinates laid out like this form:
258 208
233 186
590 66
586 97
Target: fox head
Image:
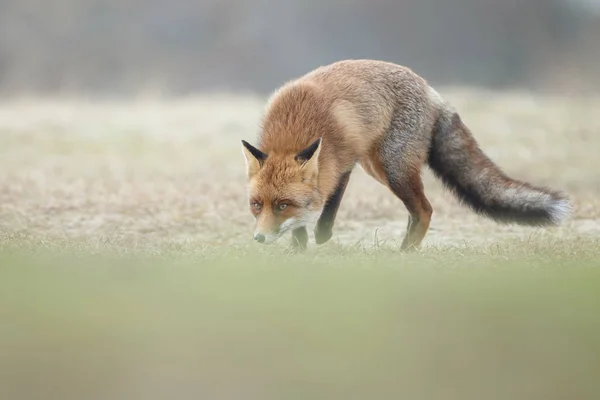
282 190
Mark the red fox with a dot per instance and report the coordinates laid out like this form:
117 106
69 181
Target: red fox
387 119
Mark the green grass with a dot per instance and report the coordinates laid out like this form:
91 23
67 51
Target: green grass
515 321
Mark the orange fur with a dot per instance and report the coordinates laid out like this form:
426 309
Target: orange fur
387 119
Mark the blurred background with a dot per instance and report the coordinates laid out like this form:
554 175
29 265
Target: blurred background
127 264
126 47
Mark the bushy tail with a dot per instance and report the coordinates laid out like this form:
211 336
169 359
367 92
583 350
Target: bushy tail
457 160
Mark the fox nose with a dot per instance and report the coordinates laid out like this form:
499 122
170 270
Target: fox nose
259 237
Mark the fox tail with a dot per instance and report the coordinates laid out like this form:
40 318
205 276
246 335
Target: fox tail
457 160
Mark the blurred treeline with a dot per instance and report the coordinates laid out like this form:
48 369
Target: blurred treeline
122 47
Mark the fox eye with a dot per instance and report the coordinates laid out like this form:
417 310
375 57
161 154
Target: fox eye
282 206
256 206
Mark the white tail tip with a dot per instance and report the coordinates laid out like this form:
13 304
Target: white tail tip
560 210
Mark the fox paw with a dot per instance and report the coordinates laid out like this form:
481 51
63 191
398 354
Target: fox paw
299 240
323 235
297 247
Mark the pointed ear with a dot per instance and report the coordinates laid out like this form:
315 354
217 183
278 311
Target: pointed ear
309 158
254 158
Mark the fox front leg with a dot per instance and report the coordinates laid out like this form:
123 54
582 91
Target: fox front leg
324 229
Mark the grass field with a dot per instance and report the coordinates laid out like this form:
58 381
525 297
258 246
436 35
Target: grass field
129 271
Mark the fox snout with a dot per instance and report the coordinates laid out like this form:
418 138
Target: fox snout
267 238
266 232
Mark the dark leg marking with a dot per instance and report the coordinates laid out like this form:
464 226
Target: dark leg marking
324 229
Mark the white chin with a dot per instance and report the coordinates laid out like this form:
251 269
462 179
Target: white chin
309 218
270 239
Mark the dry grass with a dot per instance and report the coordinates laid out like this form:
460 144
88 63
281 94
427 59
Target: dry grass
160 173
177 302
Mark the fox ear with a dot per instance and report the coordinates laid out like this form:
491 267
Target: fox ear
254 158
308 153
309 158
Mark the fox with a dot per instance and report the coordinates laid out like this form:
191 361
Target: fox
316 128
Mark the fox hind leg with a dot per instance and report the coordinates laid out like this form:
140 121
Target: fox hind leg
324 228
399 161
411 191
